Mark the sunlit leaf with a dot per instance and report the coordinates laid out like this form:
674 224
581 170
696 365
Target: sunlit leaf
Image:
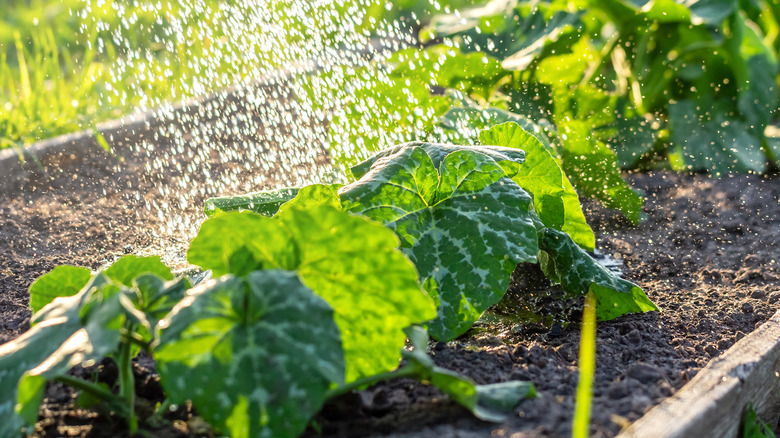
66 332
256 355
461 220
353 263
555 200
564 262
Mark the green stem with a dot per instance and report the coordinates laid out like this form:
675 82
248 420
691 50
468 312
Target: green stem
606 53
136 339
406 371
97 391
127 381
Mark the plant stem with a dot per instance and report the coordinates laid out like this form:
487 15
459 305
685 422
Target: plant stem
136 339
406 371
97 391
606 53
127 381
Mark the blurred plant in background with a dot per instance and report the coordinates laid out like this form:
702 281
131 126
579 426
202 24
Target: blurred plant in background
608 85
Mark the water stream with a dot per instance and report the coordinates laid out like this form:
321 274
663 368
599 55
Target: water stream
263 121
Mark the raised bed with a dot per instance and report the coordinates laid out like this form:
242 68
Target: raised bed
715 399
707 255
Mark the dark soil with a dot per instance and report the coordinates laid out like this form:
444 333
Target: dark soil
707 255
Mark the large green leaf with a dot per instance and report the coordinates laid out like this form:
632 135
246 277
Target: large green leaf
632 139
755 67
555 200
461 220
696 12
127 268
473 73
313 196
256 355
351 262
511 31
594 171
464 124
66 332
62 281
564 262
508 159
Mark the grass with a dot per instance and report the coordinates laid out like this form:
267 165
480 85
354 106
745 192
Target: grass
66 65
587 367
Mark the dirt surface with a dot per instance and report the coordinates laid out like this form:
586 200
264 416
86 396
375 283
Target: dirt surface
707 254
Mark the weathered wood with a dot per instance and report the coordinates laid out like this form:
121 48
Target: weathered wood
713 402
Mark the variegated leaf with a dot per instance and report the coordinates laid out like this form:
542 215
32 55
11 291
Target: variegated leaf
461 220
564 262
555 200
256 355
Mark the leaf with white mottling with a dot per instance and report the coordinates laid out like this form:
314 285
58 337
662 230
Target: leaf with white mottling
555 200
256 355
508 158
351 262
465 225
564 262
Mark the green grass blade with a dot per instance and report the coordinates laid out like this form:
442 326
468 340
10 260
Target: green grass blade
587 365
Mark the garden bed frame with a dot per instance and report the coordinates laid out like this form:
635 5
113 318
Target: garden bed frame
713 403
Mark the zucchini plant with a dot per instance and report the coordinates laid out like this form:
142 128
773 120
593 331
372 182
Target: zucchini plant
316 290
466 216
690 85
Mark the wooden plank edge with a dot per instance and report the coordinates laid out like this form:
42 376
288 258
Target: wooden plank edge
713 402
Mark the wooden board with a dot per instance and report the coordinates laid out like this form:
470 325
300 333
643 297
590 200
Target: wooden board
713 402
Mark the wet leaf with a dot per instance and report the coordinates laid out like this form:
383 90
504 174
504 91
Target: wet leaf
564 262
256 355
713 142
555 200
633 139
513 32
461 220
266 203
66 332
313 196
594 171
353 263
